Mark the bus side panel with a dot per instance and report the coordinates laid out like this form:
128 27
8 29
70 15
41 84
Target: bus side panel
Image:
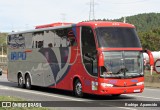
64 75
46 66
12 72
26 62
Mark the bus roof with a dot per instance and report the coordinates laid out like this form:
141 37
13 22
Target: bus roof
52 25
42 29
93 24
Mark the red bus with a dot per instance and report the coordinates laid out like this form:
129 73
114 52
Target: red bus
88 57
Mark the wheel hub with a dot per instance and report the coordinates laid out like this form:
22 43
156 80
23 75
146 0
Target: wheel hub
79 88
27 83
20 80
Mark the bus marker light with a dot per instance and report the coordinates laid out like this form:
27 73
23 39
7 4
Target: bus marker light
140 83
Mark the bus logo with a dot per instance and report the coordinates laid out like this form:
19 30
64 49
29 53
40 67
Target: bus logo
18 55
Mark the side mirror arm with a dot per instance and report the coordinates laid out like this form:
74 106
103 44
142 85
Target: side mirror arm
151 58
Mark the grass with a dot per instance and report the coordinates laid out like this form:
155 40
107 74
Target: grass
9 98
154 74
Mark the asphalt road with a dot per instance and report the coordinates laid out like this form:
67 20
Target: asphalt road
66 97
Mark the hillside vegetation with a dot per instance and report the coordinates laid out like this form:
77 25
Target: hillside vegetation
3 37
143 22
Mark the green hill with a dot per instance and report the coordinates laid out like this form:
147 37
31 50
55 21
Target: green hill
143 22
148 28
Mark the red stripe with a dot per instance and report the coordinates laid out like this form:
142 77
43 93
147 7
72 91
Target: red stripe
28 51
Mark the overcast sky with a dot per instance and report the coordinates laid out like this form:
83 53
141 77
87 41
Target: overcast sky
25 14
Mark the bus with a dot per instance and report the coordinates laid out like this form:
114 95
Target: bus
94 57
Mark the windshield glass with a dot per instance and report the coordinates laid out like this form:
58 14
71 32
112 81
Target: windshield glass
117 37
122 64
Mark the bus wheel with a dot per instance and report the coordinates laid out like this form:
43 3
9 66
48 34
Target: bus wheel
78 89
116 95
20 81
28 82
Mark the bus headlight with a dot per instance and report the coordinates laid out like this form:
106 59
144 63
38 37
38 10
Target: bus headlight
140 83
106 85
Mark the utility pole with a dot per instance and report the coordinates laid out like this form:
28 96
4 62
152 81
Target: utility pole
2 53
91 11
63 17
124 19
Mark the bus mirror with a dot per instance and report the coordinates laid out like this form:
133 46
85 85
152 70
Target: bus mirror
101 60
151 59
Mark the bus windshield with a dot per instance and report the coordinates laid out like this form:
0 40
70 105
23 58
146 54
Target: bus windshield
122 64
112 37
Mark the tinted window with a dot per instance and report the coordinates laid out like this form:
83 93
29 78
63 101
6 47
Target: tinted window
89 51
54 38
117 37
60 38
16 41
122 64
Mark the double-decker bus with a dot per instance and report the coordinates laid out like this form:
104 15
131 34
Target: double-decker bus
88 57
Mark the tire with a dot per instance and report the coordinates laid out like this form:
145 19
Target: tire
28 82
116 95
78 88
20 81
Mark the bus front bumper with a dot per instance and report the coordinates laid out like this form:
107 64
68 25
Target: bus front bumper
119 90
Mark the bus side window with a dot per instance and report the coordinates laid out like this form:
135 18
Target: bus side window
33 44
57 42
89 51
64 38
40 44
38 39
64 41
71 39
36 44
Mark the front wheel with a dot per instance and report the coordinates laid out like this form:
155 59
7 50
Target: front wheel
28 82
78 88
116 95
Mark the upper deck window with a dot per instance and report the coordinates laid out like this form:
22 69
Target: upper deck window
113 37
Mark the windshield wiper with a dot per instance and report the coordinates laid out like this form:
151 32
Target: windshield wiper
122 71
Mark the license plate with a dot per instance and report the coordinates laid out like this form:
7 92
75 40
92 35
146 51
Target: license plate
137 90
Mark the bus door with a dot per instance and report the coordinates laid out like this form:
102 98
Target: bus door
89 58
